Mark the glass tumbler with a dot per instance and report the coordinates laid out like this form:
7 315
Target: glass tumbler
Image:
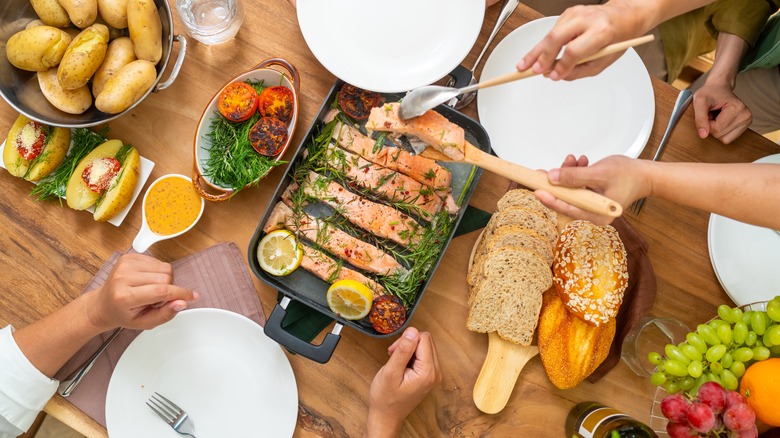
211 21
647 335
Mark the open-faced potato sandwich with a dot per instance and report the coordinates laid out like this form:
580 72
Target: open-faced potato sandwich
106 178
33 150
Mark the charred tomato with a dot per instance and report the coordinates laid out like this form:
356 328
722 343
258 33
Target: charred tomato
99 173
357 102
30 140
388 314
268 136
277 102
237 101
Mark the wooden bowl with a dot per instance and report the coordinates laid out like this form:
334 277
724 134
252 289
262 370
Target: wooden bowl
273 71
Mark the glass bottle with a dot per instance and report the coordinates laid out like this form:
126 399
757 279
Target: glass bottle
594 420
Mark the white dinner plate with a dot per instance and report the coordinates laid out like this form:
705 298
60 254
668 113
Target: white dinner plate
536 122
390 46
745 257
146 170
217 365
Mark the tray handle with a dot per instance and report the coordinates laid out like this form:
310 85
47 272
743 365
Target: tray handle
318 353
176 66
196 182
295 78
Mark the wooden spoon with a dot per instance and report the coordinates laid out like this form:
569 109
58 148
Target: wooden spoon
533 179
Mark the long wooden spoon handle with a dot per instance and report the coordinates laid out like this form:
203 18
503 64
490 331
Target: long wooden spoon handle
608 50
578 197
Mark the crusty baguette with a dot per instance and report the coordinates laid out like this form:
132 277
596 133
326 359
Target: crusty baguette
508 299
508 235
526 199
570 348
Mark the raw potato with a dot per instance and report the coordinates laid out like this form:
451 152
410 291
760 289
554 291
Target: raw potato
119 53
128 85
114 12
83 57
121 193
143 22
70 101
35 23
51 156
81 12
38 48
51 12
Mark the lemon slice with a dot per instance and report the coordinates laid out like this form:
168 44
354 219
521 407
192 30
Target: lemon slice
279 253
350 299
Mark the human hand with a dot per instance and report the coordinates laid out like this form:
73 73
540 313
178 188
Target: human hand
138 294
617 177
583 30
398 387
718 111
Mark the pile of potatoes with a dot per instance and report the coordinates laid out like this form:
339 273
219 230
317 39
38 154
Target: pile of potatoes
121 68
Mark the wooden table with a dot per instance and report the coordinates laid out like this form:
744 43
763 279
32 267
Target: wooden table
49 253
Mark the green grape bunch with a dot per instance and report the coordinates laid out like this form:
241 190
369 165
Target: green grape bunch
720 350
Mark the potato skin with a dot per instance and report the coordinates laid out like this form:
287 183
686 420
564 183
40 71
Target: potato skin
83 57
38 48
120 194
119 54
51 12
35 23
114 12
51 156
128 85
145 27
77 193
70 101
81 12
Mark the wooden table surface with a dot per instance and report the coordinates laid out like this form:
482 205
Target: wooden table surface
49 253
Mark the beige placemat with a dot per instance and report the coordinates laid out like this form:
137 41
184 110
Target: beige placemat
217 273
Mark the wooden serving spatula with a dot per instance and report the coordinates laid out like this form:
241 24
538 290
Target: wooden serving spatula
533 179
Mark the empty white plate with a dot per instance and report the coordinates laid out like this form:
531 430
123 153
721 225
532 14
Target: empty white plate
745 257
536 122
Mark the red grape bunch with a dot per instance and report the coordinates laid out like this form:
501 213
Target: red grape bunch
715 412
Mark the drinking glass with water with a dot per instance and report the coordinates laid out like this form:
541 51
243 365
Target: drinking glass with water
211 21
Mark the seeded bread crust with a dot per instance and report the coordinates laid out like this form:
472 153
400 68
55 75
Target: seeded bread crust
508 235
509 297
591 271
526 199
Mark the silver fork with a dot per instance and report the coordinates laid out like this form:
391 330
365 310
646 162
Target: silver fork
172 414
684 100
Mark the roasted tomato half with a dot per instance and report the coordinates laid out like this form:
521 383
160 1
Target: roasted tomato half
237 102
277 102
357 102
268 136
99 173
388 314
30 140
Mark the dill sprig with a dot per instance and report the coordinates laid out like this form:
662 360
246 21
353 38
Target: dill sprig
232 162
54 185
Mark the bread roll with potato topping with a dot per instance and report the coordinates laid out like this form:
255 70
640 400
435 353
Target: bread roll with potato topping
590 271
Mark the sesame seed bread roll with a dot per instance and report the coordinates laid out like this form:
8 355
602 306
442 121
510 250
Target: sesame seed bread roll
590 271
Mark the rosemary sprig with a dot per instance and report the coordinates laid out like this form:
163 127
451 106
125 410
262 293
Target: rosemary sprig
53 186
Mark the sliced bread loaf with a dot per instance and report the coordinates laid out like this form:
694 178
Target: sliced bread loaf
526 199
527 218
508 298
508 235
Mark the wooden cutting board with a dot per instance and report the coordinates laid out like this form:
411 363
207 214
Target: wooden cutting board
504 360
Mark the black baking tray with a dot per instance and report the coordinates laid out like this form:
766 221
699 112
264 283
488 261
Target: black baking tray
310 290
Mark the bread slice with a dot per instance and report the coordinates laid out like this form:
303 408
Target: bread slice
528 219
509 297
509 235
526 199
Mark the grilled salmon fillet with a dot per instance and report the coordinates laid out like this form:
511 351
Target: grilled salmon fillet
378 219
423 170
382 181
431 127
324 267
360 254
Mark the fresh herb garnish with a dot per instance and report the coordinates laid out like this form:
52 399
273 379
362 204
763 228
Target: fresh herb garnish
54 185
